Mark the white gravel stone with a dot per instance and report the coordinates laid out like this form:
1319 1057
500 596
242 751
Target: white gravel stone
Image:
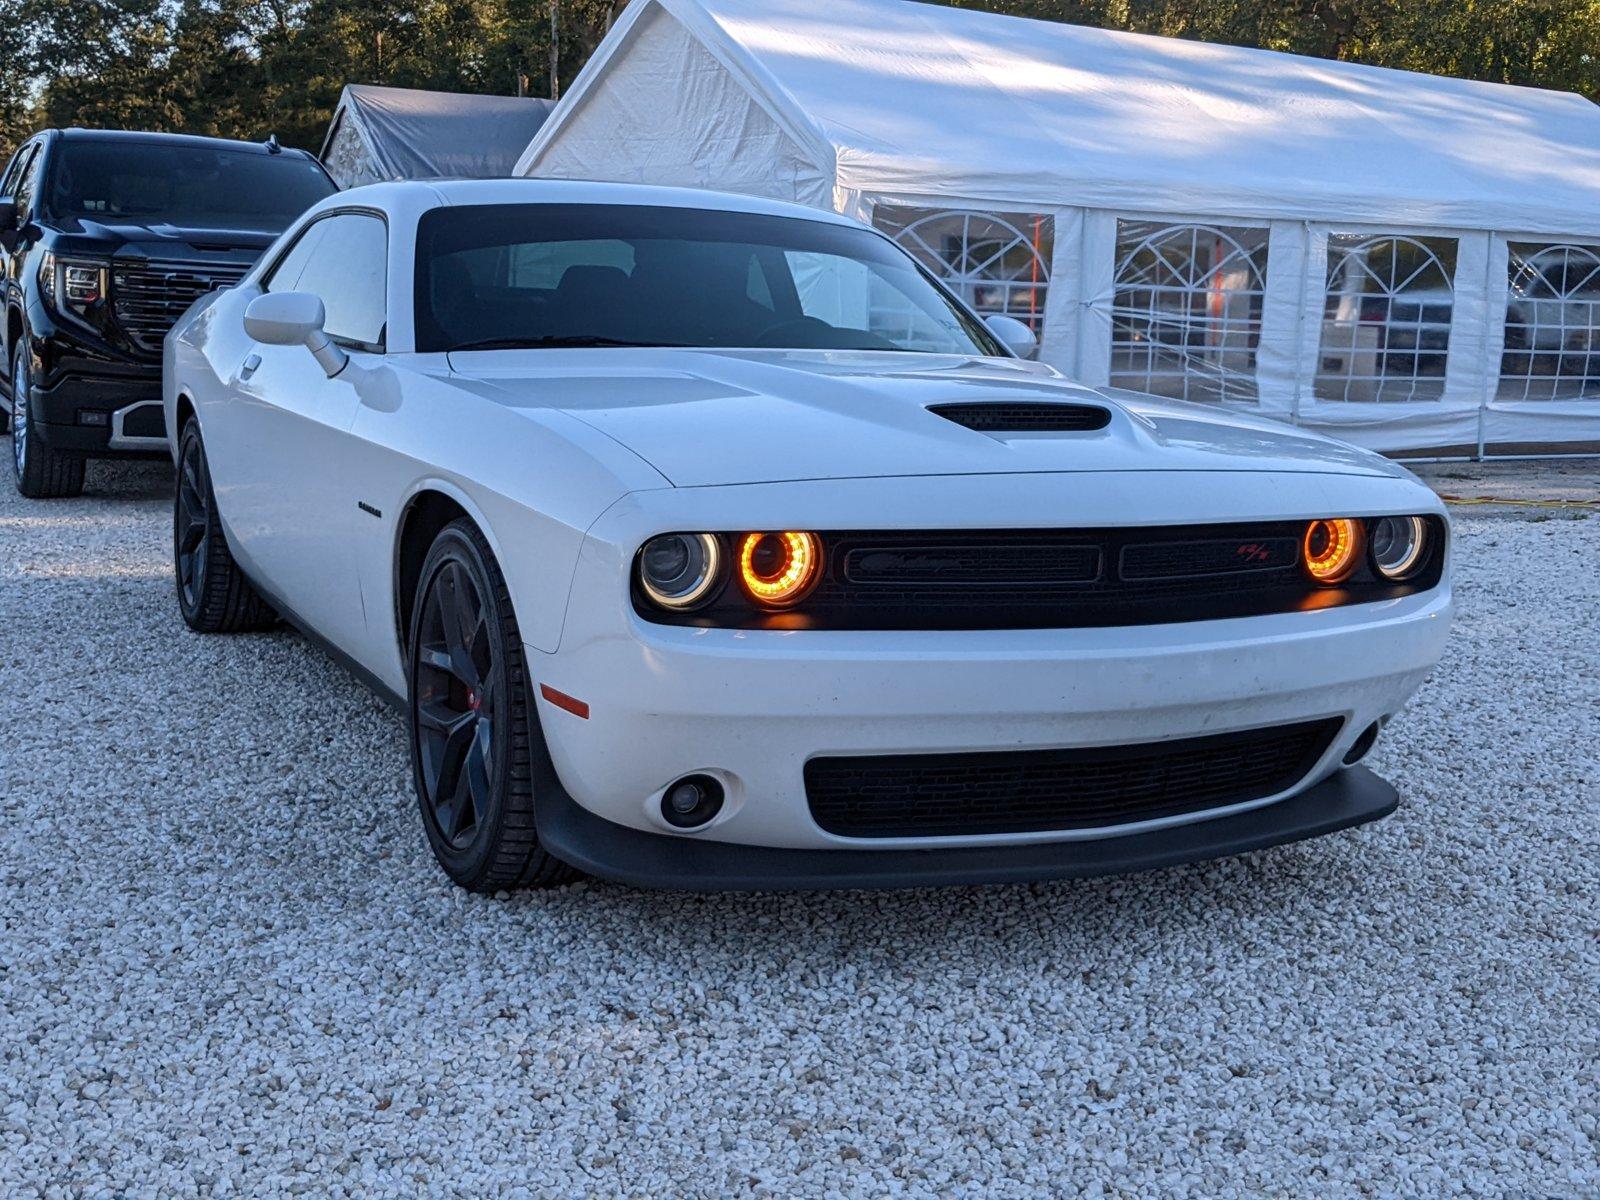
230 967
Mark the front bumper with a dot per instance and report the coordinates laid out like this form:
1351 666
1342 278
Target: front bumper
751 707
89 400
1353 796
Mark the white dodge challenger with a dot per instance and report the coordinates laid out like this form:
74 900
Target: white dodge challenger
711 542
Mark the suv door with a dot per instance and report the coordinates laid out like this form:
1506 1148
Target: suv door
282 454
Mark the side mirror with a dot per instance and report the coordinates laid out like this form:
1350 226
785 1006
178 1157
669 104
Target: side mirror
8 222
1013 334
294 319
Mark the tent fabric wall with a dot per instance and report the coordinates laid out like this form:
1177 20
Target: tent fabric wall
861 104
384 133
678 117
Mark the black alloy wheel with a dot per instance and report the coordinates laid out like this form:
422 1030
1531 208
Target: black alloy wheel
474 733
213 594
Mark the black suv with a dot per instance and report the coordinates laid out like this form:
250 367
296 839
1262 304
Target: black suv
105 240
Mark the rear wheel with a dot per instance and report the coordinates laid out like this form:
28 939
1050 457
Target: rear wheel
42 474
213 594
474 732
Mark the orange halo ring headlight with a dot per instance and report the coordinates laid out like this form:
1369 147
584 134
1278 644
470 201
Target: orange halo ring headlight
1332 549
779 570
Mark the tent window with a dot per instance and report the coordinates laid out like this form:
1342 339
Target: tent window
1386 319
1186 318
1552 349
996 262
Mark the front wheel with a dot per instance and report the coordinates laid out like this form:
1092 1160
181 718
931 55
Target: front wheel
474 732
42 474
213 593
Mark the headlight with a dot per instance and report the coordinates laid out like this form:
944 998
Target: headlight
779 569
1399 545
1332 549
679 570
72 285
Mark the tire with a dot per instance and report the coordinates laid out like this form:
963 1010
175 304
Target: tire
42 474
474 732
213 594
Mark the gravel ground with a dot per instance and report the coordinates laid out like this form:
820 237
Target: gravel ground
229 966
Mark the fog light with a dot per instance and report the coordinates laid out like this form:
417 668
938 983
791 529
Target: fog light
1359 747
692 801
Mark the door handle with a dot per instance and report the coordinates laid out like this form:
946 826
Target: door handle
249 367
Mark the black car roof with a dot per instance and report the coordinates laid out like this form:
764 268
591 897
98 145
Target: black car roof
76 134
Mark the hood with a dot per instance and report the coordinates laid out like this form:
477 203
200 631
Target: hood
706 418
158 239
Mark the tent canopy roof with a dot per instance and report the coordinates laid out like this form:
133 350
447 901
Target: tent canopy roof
415 134
924 100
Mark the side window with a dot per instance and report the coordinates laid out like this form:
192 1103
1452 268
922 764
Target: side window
8 181
28 184
344 259
284 276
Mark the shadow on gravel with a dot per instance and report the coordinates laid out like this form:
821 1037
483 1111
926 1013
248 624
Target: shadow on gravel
137 479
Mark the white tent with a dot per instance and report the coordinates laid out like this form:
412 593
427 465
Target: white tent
383 133
1410 261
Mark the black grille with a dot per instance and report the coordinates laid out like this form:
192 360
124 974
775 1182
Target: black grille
149 297
1027 791
1198 559
1005 417
967 562
1055 579
1032 578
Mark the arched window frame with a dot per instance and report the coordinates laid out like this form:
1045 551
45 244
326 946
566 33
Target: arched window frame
1388 339
1187 309
1551 347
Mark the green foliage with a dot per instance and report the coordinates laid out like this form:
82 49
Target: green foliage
247 68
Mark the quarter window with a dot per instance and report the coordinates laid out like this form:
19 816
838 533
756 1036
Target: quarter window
343 259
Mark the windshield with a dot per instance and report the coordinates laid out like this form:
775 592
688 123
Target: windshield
179 184
491 276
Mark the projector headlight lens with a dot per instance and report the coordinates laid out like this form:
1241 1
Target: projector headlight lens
680 570
1332 549
1399 545
778 570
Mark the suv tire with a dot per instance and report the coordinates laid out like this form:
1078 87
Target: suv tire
42 474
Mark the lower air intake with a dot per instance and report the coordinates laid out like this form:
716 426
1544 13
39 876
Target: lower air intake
1027 791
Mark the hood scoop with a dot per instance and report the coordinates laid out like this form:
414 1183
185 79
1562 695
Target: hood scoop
1010 416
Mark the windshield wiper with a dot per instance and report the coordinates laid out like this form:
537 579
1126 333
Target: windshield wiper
548 343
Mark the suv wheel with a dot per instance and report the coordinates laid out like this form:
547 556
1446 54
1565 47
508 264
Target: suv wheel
42 474
213 594
474 731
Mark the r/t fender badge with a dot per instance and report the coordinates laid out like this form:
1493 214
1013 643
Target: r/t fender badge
367 508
